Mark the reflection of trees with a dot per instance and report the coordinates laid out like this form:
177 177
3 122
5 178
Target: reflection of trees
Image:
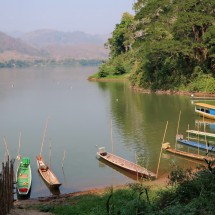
141 119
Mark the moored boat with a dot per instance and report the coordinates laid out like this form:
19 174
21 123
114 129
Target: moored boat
24 177
125 164
199 145
47 174
205 110
168 148
201 134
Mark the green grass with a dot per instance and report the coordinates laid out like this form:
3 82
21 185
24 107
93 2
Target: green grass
188 193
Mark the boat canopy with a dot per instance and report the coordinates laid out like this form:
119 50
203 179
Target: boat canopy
205 105
102 150
26 160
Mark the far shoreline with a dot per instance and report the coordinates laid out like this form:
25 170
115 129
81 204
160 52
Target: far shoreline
148 91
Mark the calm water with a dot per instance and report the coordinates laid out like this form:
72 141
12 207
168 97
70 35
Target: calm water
80 113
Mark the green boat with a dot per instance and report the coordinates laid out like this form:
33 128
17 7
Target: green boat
24 177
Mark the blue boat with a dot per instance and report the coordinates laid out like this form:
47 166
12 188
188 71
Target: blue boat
205 110
196 144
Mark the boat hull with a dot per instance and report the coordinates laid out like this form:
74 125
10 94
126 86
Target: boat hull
188 154
205 110
47 174
23 179
206 115
196 145
127 165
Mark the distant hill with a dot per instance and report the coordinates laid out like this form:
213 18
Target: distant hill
43 38
53 44
15 48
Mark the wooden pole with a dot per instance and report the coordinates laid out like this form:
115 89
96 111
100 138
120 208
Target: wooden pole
179 117
161 149
135 155
198 139
188 126
5 142
206 142
111 134
64 155
50 152
44 134
18 154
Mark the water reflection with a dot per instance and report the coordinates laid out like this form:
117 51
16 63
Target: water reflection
104 163
80 113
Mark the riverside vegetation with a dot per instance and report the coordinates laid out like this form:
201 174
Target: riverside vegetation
166 45
188 192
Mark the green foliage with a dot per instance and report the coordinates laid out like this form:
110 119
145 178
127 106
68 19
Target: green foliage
201 82
190 192
82 205
120 41
179 175
165 41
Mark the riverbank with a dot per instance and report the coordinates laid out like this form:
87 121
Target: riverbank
148 91
33 206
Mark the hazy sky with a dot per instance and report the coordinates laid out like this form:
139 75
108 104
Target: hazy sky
90 16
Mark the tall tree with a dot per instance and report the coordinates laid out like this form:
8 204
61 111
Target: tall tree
121 37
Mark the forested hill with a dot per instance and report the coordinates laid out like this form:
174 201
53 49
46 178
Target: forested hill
165 45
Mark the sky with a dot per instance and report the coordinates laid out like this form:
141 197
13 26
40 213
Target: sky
89 16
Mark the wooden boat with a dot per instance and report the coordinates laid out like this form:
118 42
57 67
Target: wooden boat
23 177
201 134
199 145
47 174
200 98
125 164
205 122
205 110
168 148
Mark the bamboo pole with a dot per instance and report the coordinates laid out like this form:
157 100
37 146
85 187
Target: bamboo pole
206 142
44 134
135 155
50 152
188 126
161 149
111 135
18 154
198 139
64 155
179 117
6 146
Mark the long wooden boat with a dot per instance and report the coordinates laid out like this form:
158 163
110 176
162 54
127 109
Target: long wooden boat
201 134
195 144
200 98
47 174
24 177
125 164
205 110
168 148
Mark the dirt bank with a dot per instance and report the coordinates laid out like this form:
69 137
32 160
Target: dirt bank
24 207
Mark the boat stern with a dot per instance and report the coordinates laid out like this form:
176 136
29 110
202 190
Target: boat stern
23 190
102 151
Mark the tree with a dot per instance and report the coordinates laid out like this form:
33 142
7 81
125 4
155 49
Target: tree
120 41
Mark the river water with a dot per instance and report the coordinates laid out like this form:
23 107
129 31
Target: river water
83 116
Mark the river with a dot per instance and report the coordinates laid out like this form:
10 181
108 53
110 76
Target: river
84 115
